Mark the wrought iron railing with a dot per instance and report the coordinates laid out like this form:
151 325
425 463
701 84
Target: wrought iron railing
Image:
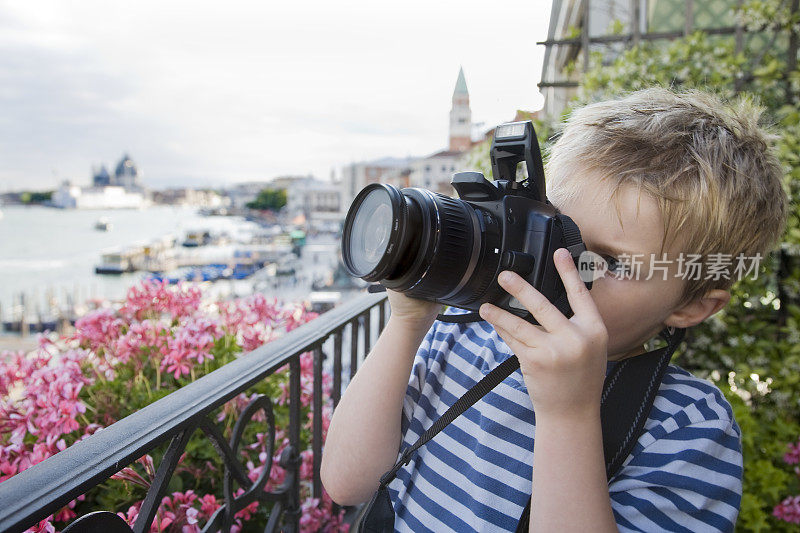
37 492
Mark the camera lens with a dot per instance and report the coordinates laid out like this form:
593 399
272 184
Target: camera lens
415 241
370 233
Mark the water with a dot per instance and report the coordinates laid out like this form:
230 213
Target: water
52 250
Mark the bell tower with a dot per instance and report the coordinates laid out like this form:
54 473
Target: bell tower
460 117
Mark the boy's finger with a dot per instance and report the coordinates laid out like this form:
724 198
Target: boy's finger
519 328
534 301
517 346
578 295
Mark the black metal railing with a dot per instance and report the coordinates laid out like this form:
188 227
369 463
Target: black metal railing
36 493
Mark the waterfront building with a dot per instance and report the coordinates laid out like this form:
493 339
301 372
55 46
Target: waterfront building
69 196
192 197
122 190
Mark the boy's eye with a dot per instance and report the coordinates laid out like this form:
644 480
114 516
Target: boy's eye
614 266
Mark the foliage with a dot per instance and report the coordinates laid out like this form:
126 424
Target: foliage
269 200
34 197
120 360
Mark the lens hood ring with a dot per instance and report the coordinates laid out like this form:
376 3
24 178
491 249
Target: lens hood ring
396 236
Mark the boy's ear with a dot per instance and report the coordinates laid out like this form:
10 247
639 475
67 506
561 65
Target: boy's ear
698 310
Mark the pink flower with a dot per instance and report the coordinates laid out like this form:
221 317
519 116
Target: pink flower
185 498
148 337
191 516
132 514
189 344
307 466
209 505
792 457
247 512
45 526
788 510
154 298
97 329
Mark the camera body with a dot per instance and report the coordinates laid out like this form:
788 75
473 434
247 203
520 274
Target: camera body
522 233
448 250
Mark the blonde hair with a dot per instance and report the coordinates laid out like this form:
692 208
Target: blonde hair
708 165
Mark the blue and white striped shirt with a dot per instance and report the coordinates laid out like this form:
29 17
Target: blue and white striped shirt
684 474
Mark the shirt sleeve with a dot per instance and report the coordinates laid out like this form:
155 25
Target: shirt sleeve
688 479
416 380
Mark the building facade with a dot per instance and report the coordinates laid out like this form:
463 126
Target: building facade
435 171
579 27
69 196
392 170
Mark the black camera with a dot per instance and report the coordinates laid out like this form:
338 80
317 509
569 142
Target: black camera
448 250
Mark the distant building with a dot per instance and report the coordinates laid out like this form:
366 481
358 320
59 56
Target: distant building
431 172
186 196
315 199
435 171
392 170
243 193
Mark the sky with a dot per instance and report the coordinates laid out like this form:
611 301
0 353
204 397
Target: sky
210 93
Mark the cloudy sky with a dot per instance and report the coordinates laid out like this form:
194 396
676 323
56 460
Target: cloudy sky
208 93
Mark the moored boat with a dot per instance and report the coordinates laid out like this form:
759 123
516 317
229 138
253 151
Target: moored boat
103 224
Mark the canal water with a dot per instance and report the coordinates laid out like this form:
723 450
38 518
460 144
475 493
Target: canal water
45 250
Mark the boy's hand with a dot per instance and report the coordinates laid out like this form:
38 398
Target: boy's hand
412 310
563 361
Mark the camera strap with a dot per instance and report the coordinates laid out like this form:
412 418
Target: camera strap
628 394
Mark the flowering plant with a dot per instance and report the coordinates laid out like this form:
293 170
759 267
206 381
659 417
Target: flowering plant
119 360
789 509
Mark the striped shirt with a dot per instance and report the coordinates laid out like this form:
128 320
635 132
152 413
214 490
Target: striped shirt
684 474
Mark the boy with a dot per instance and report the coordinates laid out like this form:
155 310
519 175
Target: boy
649 179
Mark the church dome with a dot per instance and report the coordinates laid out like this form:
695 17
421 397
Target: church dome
126 167
101 177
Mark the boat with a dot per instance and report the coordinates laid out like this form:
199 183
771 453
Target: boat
115 262
102 224
197 238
